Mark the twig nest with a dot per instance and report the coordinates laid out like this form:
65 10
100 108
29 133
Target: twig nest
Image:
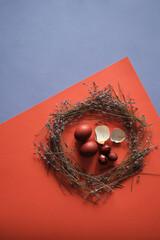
102 159
112 156
83 132
88 148
102 134
117 135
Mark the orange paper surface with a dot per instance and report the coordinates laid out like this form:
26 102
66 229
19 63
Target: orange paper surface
32 206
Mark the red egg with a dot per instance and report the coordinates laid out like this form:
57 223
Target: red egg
112 156
105 149
102 159
88 149
83 132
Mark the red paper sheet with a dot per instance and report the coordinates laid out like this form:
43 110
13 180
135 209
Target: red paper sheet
32 206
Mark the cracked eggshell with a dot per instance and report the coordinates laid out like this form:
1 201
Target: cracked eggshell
117 135
102 134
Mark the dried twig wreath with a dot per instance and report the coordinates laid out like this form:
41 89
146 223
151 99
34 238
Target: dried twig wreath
59 157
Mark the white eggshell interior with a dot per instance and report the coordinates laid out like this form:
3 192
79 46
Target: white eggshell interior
102 134
117 135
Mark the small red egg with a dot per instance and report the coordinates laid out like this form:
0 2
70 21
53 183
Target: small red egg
112 156
105 149
88 149
102 159
83 132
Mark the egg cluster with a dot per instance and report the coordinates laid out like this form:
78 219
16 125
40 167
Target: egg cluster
106 155
90 147
82 134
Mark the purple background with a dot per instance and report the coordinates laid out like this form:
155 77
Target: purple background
47 46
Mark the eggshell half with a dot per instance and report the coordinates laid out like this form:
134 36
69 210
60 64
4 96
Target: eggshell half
117 135
102 134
